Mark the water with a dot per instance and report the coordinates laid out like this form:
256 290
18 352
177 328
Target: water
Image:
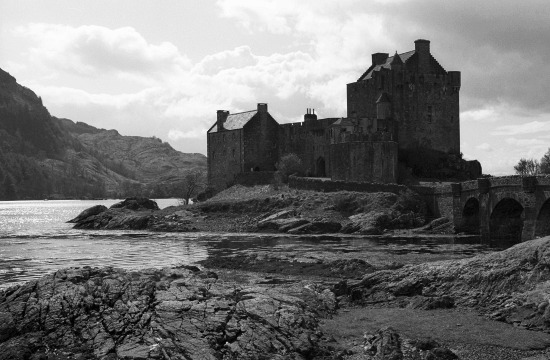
35 239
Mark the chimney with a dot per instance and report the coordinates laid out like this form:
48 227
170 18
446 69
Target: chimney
262 108
422 49
221 117
310 115
379 58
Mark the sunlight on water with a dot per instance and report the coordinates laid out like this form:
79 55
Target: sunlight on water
35 239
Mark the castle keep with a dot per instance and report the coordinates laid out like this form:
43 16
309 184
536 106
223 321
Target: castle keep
401 103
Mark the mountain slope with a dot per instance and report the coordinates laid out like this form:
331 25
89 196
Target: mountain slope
43 156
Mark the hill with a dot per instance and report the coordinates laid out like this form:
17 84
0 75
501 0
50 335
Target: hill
42 156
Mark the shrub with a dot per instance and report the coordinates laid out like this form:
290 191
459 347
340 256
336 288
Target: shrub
289 164
409 201
345 203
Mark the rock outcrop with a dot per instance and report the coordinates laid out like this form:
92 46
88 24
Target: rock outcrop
512 285
173 313
386 343
136 204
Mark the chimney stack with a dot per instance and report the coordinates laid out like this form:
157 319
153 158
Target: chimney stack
310 115
422 49
379 58
262 108
221 117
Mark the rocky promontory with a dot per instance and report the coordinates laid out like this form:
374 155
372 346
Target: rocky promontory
264 209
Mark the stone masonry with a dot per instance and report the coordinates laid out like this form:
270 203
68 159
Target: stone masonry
401 103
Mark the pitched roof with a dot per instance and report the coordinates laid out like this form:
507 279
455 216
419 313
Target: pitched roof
387 64
235 121
342 122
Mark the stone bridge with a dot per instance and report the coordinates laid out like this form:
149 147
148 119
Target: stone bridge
505 209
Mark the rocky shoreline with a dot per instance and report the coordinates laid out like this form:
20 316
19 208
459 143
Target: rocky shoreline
221 312
260 304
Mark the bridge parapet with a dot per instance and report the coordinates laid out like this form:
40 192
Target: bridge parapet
543 179
512 180
469 185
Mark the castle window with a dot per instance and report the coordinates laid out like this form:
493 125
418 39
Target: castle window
429 115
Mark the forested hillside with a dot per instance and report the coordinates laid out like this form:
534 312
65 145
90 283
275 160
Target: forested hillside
45 157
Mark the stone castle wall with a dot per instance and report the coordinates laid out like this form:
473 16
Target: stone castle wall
225 153
369 161
323 185
260 143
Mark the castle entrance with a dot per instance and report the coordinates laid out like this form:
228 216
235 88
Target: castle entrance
320 167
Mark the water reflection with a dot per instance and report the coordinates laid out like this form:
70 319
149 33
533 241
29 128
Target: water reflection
34 240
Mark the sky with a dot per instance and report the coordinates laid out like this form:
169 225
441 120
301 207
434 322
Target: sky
163 67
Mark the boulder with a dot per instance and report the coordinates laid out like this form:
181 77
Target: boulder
386 343
370 223
136 204
94 210
173 313
116 219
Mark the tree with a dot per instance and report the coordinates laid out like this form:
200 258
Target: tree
289 164
527 167
193 183
545 163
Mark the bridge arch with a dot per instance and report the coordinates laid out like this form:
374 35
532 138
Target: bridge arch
470 217
506 222
542 225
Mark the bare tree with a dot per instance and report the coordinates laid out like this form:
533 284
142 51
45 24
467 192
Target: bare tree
193 183
527 167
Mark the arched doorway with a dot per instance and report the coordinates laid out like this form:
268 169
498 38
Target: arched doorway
320 167
542 227
470 217
506 222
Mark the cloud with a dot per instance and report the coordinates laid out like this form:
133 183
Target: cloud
485 147
488 115
96 50
499 47
533 127
527 142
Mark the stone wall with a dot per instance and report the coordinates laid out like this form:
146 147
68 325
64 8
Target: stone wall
439 199
225 153
309 140
304 183
365 161
260 141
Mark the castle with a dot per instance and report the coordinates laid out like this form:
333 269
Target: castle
401 103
